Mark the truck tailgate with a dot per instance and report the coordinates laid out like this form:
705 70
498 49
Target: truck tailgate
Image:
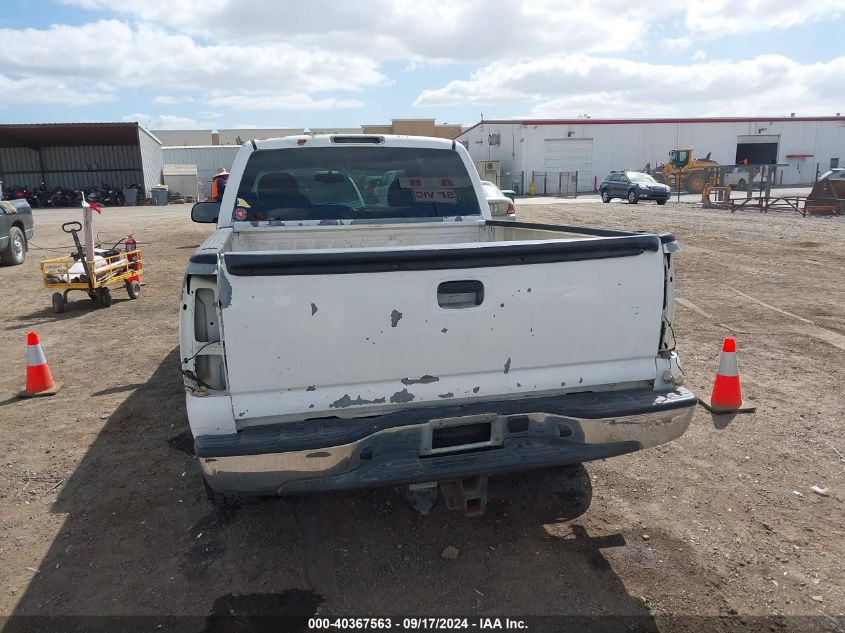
311 334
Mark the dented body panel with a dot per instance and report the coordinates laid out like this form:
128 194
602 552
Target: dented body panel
372 338
285 325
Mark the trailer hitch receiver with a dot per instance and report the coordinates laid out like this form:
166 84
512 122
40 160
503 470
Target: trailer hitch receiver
468 494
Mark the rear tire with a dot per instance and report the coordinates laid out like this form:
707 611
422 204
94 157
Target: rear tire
228 499
104 297
633 198
58 303
741 184
661 202
605 195
16 253
133 289
574 490
695 182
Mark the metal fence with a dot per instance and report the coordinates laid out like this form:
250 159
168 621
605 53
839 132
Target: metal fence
567 184
563 184
540 183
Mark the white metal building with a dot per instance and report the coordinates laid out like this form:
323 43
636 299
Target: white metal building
207 159
182 179
522 149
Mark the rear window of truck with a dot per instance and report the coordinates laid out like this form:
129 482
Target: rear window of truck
357 183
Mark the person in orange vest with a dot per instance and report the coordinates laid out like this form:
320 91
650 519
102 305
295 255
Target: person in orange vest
218 184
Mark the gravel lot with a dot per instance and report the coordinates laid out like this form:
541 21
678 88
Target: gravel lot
102 510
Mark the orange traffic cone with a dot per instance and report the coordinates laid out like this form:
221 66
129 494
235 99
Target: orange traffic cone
39 380
727 393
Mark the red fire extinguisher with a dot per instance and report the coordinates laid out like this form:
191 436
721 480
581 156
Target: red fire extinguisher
131 246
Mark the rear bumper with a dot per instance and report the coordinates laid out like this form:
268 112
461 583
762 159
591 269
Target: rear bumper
407 447
655 196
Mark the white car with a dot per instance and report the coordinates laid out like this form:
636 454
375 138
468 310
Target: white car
501 207
837 173
738 178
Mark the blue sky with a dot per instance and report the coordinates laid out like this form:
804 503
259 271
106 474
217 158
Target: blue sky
263 63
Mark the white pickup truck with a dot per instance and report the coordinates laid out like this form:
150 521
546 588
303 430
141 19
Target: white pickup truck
328 342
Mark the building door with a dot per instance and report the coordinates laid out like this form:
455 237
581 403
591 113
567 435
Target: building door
757 150
570 154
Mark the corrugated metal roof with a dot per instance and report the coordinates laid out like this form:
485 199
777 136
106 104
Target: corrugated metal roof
37 135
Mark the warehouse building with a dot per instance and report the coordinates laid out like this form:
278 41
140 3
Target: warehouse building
79 155
185 137
517 152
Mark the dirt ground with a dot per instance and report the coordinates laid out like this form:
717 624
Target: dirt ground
102 510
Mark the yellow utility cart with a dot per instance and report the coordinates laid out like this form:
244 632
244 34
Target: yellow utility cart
77 272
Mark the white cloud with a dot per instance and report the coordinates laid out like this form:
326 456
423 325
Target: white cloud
17 91
600 86
414 30
148 55
546 54
473 30
167 100
676 43
718 18
297 101
182 11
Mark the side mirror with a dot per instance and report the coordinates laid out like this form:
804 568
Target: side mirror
205 212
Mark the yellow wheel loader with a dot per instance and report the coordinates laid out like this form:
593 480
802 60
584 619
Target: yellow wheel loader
683 171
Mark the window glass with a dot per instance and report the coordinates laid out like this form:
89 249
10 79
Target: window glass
491 190
635 176
366 183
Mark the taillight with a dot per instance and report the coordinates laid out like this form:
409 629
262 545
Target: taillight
511 208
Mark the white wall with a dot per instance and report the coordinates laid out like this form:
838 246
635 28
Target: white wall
183 137
151 161
632 145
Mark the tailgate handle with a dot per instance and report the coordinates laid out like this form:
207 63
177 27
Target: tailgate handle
460 294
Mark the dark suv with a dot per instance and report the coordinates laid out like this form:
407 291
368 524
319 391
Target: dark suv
633 186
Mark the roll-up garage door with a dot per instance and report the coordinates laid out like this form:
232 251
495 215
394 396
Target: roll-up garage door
759 149
569 154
